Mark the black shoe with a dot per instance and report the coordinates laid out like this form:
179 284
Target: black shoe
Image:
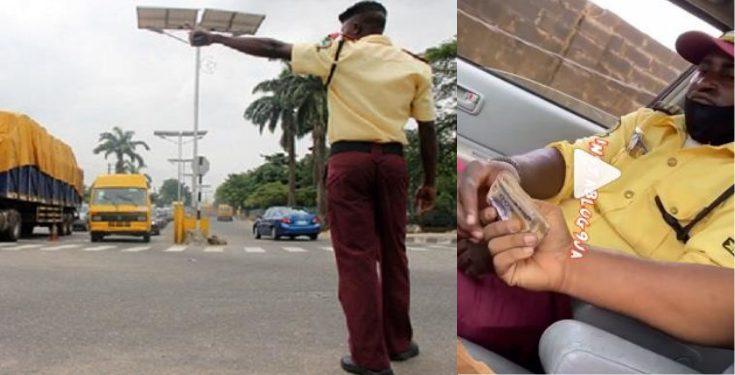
351 367
413 350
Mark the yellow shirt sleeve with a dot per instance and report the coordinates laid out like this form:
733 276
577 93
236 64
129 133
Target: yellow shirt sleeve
422 106
616 139
313 58
713 244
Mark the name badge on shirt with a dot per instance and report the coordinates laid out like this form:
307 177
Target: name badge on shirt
636 145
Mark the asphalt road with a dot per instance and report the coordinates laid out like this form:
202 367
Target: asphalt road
250 307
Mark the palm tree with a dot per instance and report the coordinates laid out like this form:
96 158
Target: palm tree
270 110
133 168
310 99
121 144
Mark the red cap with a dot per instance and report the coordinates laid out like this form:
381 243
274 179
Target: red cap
693 46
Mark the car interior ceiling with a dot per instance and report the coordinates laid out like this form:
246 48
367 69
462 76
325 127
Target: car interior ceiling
718 13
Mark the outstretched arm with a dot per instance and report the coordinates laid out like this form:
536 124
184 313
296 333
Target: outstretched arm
261 47
692 302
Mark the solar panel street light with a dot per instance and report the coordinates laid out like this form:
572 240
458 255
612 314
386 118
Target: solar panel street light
161 20
235 23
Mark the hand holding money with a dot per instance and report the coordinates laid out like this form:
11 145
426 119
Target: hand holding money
472 187
530 243
512 202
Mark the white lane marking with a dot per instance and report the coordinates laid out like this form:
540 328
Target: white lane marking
294 249
100 248
214 249
254 250
176 248
23 247
412 248
60 247
327 248
136 249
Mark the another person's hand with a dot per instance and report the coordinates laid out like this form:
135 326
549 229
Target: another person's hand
520 260
425 199
201 38
474 259
472 188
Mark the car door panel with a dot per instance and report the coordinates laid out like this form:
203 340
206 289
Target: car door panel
496 117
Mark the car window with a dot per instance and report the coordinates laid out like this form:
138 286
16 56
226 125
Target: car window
578 55
117 196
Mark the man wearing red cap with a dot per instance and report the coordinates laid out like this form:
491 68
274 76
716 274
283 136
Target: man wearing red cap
373 89
672 204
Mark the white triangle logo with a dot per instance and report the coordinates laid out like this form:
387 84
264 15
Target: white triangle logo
591 173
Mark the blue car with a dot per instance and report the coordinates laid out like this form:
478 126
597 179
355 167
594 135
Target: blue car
289 222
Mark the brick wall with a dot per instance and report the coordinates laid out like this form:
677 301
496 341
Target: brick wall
573 46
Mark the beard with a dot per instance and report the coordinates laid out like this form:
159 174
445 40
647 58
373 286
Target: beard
709 124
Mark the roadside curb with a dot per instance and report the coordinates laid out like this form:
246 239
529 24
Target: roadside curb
411 238
439 240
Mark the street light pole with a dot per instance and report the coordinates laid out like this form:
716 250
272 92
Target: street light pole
195 162
179 170
179 136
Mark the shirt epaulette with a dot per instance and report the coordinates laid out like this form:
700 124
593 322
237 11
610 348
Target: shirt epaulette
328 40
415 56
669 109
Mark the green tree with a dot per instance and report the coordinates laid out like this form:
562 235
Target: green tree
132 168
121 144
237 187
274 108
169 192
266 195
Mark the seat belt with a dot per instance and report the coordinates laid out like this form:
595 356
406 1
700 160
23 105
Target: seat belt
682 232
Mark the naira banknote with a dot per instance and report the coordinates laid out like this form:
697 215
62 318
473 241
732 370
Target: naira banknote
511 201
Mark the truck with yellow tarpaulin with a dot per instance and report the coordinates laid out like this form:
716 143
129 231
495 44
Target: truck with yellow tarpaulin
40 181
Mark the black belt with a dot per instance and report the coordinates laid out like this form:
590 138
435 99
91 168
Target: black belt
348 146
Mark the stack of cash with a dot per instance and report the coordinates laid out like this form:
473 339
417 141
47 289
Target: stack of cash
511 201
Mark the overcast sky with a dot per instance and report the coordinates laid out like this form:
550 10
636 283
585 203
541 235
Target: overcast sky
669 22
81 67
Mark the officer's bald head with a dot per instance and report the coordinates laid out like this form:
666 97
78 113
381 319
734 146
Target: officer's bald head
363 18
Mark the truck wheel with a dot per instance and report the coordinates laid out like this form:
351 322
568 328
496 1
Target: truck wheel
12 234
60 229
94 237
147 238
314 236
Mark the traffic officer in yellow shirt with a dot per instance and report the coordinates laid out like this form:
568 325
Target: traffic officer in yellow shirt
373 88
673 203
673 200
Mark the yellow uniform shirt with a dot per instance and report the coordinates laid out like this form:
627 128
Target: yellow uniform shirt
686 179
375 89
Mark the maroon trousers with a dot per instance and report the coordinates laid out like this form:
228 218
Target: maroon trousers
507 320
367 195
